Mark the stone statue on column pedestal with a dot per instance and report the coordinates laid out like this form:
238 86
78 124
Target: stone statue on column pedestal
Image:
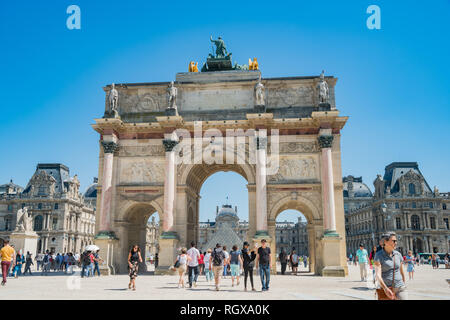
260 105
113 99
324 91
172 93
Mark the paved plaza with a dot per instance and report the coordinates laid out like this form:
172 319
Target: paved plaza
428 284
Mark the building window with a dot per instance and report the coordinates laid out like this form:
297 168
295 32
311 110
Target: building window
444 206
415 222
412 188
42 191
433 222
56 206
396 205
446 223
398 223
55 224
414 205
10 207
430 204
38 223
39 206
23 205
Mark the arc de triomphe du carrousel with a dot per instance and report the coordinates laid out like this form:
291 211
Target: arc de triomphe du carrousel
160 141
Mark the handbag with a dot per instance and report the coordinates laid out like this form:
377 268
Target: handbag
176 264
380 292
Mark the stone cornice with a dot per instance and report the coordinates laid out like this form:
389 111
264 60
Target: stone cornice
329 119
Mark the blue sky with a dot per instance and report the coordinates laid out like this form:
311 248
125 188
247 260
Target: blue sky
393 83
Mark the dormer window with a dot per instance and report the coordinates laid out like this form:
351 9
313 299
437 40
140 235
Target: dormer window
412 189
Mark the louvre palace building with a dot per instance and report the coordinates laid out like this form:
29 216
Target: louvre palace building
63 219
403 202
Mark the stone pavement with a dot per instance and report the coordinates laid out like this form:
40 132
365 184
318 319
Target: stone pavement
428 284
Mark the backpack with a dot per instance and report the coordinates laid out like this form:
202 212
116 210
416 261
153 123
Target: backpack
218 258
86 259
45 260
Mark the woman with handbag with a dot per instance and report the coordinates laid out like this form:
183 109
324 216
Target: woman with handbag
134 258
181 266
389 270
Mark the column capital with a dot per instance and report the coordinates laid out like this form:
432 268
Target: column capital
261 143
325 141
109 146
169 144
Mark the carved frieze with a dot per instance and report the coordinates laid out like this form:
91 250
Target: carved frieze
146 102
296 169
141 171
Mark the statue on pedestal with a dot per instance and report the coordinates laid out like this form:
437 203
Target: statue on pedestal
221 50
323 90
113 99
172 92
259 95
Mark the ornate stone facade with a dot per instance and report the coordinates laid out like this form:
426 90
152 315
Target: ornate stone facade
64 221
144 175
404 203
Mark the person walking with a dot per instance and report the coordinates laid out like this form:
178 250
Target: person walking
235 264
46 263
294 261
85 262
207 260
156 260
283 261
248 258
97 260
194 254
371 262
363 258
72 263
226 262
305 261
134 258
28 263
7 254
263 261
410 264
183 260
389 270
20 259
201 263
447 261
218 258
39 257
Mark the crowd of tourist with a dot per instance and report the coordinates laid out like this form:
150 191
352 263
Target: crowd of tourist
15 264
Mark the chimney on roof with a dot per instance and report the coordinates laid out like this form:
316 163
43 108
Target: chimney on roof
95 180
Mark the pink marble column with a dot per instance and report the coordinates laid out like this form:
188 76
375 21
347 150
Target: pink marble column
261 186
325 143
105 210
169 185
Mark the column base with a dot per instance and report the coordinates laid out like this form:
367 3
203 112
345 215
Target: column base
168 245
261 234
331 256
331 233
108 244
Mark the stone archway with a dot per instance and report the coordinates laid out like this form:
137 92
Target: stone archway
132 229
311 212
192 178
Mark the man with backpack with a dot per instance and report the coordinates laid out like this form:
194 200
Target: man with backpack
218 256
86 261
46 263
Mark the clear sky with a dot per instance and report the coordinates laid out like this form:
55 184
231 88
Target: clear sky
393 83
